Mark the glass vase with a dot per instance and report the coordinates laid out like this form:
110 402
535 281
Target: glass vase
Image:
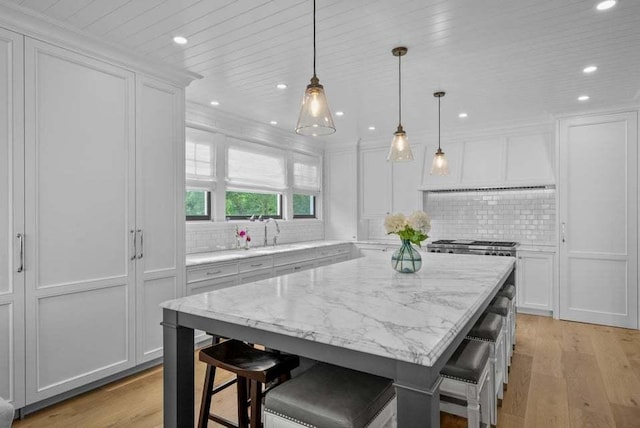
406 259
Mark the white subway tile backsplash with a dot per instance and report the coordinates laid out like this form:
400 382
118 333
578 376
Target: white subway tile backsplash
527 216
211 236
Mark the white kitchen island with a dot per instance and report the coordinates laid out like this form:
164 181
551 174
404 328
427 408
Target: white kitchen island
359 314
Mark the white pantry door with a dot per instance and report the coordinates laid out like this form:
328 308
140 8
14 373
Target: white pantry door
11 219
80 184
598 215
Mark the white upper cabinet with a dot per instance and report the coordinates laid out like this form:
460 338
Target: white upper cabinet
521 160
386 186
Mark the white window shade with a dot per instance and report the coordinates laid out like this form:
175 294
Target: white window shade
199 155
306 173
255 168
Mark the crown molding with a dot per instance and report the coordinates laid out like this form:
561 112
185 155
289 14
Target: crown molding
38 26
242 128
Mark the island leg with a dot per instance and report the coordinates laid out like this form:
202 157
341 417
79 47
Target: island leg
177 372
418 407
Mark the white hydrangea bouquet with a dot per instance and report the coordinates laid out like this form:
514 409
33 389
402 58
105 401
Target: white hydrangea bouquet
413 228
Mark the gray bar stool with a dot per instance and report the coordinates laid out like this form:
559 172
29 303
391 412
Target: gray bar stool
6 413
466 379
509 291
253 368
331 396
490 328
500 305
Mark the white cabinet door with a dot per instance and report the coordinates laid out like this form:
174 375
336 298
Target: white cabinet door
406 178
11 219
79 186
159 208
375 179
341 190
598 214
535 282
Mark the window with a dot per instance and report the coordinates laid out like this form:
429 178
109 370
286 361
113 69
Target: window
200 173
241 205
198 204
304 206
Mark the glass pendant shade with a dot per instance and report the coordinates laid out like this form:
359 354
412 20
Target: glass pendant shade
315 117
400 149
439 166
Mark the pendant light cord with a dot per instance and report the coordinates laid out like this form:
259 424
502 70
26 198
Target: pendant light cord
439 122
314 38
399 90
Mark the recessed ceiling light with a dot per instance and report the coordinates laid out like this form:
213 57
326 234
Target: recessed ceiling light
606 4
463 115
372 128
583 98
215 103
339 113
273 122
281 86
180 40
589 69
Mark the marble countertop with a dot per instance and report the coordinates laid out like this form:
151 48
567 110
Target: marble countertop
231 255
363 304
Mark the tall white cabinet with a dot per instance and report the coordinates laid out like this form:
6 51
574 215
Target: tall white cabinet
598 216
11 219
100 216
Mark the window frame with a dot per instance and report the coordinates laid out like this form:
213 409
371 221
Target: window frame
280 202
307 216
206 217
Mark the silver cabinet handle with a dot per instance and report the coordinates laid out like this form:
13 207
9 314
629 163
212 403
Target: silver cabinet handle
141 243
563 231
297 267
256 265
135 250
20 237
214 272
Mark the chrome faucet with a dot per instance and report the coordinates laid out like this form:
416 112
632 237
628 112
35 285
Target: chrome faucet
275 237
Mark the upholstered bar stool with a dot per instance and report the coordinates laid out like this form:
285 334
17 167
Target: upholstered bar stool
509 291
331 396
500 305
253 368
490 328
467 377
6 413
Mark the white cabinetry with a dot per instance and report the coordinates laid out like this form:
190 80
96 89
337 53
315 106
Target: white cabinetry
159 208
519 160
535 282
11 219
340 189
103 216
389 186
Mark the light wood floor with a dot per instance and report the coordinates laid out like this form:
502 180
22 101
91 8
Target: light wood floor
564 374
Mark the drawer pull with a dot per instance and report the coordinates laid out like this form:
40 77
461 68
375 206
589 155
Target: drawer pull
214 272
256 264
297 267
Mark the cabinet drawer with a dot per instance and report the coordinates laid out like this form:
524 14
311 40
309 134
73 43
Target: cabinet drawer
211 285
333 251
255 263
294 257
211 272
295 267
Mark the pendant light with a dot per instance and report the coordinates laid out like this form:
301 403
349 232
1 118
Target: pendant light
315 117
440 166
400 150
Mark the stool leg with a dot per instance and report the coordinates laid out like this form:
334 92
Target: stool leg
256 404
205 404
242 402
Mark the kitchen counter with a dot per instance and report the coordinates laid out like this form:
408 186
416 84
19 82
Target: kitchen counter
359 314
241 254
363 304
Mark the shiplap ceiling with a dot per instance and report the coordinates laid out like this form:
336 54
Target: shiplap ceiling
503 62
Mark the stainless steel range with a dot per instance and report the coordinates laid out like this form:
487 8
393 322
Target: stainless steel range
487 248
